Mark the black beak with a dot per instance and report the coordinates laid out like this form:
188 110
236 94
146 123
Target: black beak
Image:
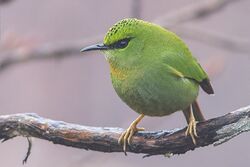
95 47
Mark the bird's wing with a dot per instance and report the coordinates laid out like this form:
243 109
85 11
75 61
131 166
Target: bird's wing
185 65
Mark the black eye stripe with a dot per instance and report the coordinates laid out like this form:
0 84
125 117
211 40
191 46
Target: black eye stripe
120 44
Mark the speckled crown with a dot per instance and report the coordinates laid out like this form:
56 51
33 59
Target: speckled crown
117 31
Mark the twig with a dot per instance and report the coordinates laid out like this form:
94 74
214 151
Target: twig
163 142
174 20
195 11
43 52
212 39
3 2
136 9
28 151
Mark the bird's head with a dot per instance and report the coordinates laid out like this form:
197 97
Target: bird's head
124 43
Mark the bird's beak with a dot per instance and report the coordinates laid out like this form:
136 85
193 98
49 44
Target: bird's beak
95 47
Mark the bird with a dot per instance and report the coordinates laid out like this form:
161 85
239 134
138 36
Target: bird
153 71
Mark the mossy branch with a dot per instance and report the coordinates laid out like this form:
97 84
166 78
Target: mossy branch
105 139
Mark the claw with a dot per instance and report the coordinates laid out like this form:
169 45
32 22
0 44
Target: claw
127 135
191 129
132 133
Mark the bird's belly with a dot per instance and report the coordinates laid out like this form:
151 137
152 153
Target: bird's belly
157 96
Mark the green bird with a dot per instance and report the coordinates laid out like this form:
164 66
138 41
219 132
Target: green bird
153 72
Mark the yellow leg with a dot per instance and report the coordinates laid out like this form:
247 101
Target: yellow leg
126 136
191 129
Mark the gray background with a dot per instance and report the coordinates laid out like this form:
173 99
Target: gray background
79 90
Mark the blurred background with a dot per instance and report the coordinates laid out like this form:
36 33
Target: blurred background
77 87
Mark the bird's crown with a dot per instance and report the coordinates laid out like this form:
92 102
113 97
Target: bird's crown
118 31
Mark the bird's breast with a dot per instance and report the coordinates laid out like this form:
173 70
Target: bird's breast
152 91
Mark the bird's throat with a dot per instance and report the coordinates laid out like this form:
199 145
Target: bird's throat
118 72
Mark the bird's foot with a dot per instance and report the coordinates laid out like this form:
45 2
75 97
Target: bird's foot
191 130
126 136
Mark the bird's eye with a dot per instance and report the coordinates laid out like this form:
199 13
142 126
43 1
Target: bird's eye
122 43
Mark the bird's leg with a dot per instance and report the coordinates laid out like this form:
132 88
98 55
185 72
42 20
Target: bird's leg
126 136
191 129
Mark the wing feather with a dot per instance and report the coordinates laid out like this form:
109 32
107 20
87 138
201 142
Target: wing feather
185 65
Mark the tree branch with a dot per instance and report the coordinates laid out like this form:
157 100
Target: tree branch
136 6
214 39
214 131
44 52
194 11
3 2
202 9
71 48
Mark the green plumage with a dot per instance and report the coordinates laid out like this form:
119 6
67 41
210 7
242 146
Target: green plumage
155 74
